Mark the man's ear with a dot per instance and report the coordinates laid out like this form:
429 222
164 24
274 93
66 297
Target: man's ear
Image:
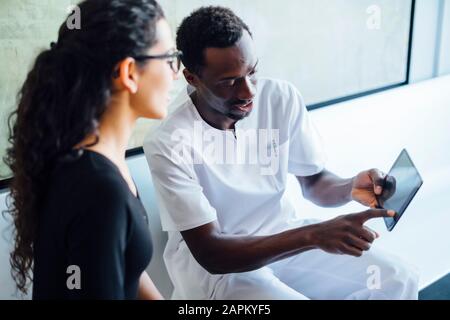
128 75
191 78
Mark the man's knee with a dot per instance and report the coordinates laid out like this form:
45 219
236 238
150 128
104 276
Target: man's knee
400 281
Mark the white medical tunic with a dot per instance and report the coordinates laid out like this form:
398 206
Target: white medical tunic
237 178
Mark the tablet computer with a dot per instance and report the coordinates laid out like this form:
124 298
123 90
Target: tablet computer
407 182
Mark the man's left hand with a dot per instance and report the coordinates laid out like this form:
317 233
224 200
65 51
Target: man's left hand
372 188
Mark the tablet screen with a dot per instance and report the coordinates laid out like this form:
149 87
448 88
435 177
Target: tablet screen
408 182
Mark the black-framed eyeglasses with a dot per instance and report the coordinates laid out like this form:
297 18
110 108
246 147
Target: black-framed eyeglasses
173 59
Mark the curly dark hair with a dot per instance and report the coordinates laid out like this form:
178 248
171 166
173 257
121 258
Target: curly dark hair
61 102
207 27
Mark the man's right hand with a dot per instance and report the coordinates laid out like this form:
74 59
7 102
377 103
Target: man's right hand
347 234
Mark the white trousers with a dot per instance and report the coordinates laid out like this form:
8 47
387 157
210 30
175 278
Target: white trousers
316 274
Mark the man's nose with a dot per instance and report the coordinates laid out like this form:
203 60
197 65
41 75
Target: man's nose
247 89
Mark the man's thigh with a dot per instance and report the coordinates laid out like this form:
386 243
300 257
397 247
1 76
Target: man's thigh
259 284
320 275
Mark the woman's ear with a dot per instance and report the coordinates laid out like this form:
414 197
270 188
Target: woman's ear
128 75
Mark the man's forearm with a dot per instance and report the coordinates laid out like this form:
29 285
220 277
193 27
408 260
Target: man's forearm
235 253
328 190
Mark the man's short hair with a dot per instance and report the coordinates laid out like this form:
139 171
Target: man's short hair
207 27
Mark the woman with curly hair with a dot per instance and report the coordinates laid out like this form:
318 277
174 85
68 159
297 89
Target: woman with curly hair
74 204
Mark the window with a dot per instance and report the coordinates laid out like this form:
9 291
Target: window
329 49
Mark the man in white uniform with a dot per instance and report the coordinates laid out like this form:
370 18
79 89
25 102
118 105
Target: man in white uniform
219 165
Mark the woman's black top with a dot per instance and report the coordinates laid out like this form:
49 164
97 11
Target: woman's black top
93 240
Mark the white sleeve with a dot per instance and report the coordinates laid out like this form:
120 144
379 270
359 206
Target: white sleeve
181 201
306 153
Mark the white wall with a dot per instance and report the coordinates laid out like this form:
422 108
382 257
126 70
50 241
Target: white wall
424 40
444 54
431 40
